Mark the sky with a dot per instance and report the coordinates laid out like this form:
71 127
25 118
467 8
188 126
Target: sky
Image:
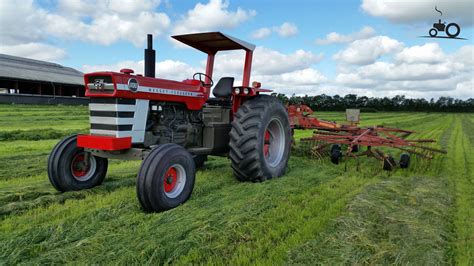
364 47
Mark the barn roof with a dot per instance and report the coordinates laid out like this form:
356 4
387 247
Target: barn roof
14 67
212 42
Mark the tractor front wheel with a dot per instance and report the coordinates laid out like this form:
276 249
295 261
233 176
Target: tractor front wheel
166 178
72 168
260 139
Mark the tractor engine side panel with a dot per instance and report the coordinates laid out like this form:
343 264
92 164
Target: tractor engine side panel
174 123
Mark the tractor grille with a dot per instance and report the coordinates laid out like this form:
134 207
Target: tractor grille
118 117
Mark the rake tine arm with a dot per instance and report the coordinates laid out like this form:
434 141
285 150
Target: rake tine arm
415 152
429 149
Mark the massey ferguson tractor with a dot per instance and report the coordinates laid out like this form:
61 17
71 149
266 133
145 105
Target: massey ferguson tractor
173 126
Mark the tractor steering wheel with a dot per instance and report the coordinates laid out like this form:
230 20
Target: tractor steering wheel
203 81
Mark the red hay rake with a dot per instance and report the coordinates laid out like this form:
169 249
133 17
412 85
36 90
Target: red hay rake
331 136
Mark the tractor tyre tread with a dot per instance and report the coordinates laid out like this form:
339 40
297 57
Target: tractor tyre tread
246 139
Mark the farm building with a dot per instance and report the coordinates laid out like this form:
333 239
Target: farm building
20 75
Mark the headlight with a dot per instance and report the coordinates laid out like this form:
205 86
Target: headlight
236 90
246 91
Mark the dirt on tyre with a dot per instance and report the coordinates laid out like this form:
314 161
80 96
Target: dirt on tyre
166 178
260 139
72 168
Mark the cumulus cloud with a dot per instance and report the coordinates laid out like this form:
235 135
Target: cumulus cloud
362 52
34 50
106 22
212 16
21 23
285 30
334 37
267 61
261 33
102 22
415 71
421 11
429 53
167 69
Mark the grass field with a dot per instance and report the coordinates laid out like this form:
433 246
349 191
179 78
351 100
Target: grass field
317 212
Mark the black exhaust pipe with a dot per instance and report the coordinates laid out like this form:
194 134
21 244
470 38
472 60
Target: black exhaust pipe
150 58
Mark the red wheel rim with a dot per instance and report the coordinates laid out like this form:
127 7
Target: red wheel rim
266 143
79 166
83 166
170 180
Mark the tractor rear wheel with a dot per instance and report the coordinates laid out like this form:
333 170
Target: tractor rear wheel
72 168
260 139
166 178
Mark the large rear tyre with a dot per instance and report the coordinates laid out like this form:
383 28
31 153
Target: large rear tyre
260 139
166 178
72 168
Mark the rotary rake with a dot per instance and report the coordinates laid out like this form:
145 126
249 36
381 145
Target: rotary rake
336 140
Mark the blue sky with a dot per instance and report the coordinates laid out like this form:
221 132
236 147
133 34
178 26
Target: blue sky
374 48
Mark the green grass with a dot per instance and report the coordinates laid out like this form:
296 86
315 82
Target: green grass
316 213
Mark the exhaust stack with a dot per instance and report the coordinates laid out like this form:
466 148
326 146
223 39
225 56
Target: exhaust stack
150 58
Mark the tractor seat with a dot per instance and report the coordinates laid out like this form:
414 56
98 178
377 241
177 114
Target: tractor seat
222 91
223 88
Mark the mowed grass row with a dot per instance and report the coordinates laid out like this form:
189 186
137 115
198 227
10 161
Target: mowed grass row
317 212
32 122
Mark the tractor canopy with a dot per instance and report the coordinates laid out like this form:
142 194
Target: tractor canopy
213 42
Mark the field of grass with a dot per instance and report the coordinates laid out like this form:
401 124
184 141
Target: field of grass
317 212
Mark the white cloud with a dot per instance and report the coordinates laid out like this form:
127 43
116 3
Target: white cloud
286 29
38 51
416 71
20 23
167 69
459 11
106 22
102 22
261 33
212 16
307 76
429 53
334 37
362 52
266 61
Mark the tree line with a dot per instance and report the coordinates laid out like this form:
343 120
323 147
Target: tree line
373 104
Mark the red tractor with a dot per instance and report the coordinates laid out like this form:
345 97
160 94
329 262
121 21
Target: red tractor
173 126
